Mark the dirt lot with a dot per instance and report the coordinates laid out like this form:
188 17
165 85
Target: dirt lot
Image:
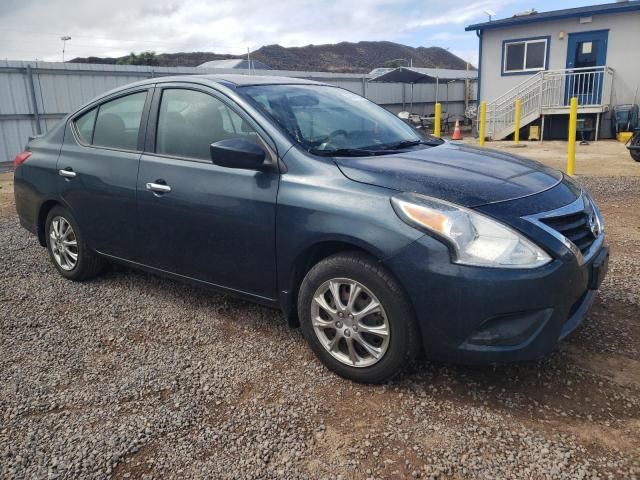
601 159
133 376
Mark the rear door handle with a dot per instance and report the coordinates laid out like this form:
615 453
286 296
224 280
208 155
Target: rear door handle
158 187
67 173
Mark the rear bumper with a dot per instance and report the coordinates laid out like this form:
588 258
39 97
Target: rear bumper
25 202
483 316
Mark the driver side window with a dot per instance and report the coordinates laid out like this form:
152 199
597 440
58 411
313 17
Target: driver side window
189 121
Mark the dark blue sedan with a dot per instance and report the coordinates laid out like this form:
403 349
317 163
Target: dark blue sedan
379 241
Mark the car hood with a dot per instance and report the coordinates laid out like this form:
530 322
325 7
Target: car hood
461 174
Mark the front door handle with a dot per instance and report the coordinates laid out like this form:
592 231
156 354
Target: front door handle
67 173
158 187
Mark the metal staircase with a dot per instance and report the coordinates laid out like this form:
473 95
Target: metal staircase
548 93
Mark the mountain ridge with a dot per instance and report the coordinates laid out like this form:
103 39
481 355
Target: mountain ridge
343 57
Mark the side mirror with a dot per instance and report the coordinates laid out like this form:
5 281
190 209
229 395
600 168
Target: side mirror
237 153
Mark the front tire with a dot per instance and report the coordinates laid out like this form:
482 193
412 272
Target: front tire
67 249
357 319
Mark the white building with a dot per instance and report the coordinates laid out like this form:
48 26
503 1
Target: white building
545 58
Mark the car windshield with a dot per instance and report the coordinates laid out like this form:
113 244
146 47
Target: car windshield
327 120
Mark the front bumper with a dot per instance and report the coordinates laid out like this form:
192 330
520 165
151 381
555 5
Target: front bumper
478 315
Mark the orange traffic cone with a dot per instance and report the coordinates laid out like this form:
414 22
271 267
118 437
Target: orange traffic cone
456 132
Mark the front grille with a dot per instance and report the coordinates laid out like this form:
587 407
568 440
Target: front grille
575 226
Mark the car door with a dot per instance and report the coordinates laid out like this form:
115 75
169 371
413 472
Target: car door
198 219
98 168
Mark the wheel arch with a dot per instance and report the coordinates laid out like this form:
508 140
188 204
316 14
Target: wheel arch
309 257
45 208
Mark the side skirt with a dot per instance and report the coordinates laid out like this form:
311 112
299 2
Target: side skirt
268 302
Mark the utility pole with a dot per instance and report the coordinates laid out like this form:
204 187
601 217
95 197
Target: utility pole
64 44
467 89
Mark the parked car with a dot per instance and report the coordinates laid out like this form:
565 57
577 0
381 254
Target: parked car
380 241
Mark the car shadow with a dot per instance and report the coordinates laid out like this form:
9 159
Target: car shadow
555 387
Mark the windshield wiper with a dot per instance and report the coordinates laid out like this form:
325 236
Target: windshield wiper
346 152
410 143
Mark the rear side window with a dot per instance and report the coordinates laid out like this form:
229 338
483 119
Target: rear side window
190 121
118 122
84 125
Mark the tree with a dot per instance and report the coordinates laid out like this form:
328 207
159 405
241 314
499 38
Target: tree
398 62
144 58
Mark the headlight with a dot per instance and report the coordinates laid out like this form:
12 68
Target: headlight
475 238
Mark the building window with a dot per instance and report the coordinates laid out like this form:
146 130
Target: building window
527 55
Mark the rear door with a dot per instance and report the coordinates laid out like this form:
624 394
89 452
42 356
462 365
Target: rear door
210 223
98 168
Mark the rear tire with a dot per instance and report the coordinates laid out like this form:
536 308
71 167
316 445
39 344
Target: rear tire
635 154
67 248
364 347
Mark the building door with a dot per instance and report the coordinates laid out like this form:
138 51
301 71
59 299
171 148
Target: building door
585 52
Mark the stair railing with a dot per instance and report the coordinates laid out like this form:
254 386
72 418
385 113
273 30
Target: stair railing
547 90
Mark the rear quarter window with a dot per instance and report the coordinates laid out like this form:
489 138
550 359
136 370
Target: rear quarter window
84 125
118 122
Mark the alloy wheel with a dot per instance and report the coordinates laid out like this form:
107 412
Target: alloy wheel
350 322
63 243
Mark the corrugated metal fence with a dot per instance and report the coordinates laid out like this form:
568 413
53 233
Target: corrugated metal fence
34 96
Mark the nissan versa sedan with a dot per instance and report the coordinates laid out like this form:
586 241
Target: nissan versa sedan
379 241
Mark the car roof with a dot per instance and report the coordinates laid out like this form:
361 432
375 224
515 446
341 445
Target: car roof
243 80
229 80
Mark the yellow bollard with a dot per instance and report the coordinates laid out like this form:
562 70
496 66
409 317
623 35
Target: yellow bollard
571 148
483 120
436 120
516 133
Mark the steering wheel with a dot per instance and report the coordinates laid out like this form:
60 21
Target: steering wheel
330 140
337 133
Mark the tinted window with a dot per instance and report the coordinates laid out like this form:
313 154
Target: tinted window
515 56
525 55
535 54
84 125
190 121
118 122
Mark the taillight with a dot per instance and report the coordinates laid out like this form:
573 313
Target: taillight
20 159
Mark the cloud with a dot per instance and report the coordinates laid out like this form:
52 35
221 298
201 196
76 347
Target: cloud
116 27
461 13
440 36
470 55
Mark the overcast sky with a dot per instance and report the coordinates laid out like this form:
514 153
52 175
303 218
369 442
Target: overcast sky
31 29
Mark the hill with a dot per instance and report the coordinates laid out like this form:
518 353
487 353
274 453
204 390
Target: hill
361 57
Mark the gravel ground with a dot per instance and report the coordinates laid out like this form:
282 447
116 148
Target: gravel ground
134 376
